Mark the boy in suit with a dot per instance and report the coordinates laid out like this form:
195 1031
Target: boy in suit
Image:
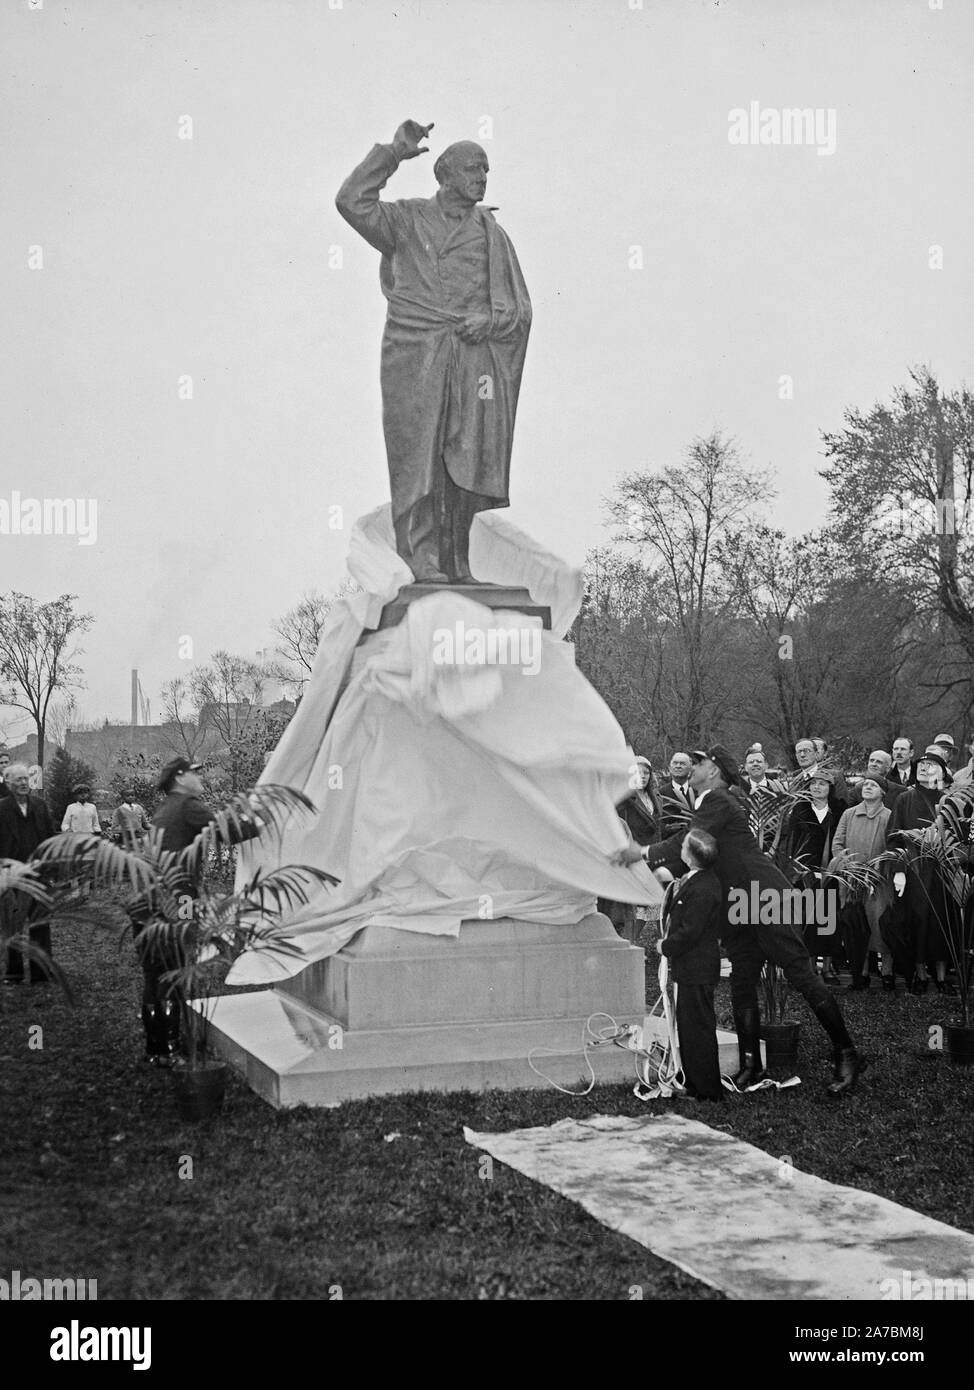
693 912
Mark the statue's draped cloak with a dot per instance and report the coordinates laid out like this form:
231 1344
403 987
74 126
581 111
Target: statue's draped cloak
444 401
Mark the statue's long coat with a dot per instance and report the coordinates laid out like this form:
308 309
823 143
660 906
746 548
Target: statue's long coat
444 401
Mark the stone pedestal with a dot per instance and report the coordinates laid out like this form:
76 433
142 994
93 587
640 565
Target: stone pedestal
400 1011
509 597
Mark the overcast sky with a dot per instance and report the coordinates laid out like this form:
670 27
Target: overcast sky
607 128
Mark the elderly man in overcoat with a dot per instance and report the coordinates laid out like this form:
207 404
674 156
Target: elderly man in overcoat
25 822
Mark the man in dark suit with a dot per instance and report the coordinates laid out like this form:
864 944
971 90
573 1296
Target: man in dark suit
4 764
676 798
692 916
903 771
764 795
745 874
24 823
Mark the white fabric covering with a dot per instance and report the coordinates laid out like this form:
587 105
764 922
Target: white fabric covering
448 792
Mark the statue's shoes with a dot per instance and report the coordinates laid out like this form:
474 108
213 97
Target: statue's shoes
431 577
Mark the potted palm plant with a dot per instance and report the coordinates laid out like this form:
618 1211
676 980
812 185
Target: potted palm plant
194 921
780 1034
948 844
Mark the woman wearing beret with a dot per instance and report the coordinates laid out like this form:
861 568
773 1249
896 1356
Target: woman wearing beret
859 837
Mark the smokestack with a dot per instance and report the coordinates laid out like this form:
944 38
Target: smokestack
135 698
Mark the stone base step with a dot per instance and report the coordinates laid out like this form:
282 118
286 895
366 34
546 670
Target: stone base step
292 1054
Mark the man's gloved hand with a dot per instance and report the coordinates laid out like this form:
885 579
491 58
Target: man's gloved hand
899 883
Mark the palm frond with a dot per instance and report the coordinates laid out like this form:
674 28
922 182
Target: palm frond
17 877
100 862
245 816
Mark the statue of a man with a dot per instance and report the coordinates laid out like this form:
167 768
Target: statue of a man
453 349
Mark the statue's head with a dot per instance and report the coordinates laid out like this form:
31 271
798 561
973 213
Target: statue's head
462 171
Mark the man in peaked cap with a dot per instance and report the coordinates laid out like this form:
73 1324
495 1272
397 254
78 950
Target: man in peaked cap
180 817
721 812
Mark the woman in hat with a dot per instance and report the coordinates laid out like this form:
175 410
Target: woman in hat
82 815
860 837
926 899
812 826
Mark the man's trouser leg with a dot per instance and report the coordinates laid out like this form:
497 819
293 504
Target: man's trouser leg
785 947
159 1013
417 540
696 1025
855 938
746 956
39 934
460 508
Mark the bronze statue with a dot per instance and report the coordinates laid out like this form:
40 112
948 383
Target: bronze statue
453 348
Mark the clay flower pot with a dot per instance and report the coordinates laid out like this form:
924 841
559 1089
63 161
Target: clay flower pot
199 1090
960 1044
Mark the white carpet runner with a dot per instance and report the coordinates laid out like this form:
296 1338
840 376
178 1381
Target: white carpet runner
744 1221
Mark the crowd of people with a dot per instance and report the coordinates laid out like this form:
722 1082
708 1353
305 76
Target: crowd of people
885 904
25 823
711 824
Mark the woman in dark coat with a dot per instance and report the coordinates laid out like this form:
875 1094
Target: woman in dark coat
811 827
927 902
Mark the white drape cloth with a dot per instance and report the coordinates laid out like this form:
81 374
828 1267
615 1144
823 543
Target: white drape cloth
448 791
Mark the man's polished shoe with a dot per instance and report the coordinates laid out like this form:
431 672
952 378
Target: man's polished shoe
848 1065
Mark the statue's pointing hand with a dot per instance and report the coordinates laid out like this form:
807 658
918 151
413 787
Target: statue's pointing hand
405 142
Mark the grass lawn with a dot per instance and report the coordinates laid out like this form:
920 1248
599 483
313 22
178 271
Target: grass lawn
291 1204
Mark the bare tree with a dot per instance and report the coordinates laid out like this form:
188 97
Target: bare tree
37 654
62 718
676 516
180 718
902 477
300 633
228 693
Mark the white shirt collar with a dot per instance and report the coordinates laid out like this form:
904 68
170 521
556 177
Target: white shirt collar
696 804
